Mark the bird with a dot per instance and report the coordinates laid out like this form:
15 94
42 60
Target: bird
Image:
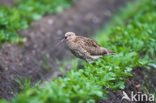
84 48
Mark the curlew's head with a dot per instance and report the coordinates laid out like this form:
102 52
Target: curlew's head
68 36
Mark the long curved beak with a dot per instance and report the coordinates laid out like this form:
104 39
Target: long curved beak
61 41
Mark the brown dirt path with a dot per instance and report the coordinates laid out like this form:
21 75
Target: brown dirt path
85 17
7 2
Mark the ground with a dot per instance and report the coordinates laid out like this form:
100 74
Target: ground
28 60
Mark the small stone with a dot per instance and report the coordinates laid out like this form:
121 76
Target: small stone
50 21
17 61
138 86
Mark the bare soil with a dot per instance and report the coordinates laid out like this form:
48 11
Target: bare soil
7 2
36 58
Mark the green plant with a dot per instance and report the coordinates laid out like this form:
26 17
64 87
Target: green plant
21 16
24 83
46 65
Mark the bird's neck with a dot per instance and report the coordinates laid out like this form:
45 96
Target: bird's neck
70 42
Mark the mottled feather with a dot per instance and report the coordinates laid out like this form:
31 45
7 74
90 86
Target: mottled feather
85 48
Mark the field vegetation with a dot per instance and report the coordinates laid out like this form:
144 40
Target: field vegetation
131 34
19 17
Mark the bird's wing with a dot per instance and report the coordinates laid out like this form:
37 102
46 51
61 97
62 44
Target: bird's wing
87 42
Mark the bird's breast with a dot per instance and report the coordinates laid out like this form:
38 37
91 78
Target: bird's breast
71 45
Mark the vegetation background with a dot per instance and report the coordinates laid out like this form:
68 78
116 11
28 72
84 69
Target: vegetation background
131 33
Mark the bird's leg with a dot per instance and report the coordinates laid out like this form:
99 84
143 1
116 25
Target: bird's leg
88 57
89 61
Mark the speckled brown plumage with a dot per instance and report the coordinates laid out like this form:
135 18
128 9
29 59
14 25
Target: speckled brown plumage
84 48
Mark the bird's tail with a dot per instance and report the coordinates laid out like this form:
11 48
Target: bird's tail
106 52
111 52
